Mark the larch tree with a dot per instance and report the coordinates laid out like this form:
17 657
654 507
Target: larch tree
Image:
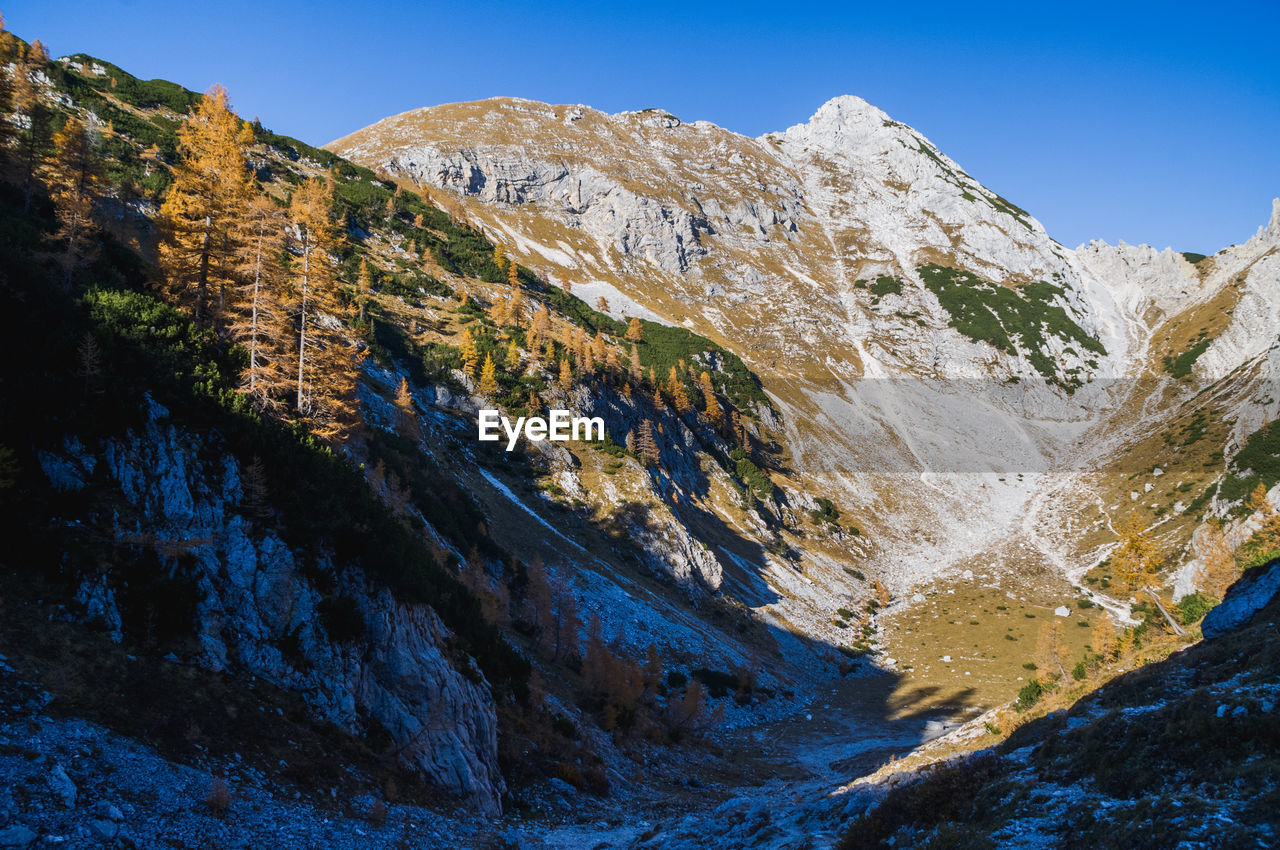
679 398
74 177
259 321
1104 639
489 378
1218 568
1049 651
406 416
211 185
470 356
34 130
513 274
635 330
328 363
566 375
602 304
713 411
646 445
364 283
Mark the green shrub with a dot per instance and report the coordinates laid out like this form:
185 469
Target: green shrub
1192 607
1029 695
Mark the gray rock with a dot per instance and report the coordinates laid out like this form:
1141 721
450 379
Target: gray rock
103 830
16 835
62 786
1249 595
109 812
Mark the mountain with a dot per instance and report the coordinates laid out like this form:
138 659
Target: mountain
875 447
977 397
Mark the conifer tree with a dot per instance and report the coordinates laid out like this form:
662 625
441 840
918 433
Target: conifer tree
637 373
328 363
635 330
499 256
602 304
516 309
407 418
712 406
211 184
34 134
567 622
364 283
566 376
73 177
513 274
470 357
1137 557
260 322
488 378
1049 650
513 357
1218 567
542 321
1103 639
646 445
679 398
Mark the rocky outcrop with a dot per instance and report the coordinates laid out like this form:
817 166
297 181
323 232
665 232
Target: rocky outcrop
1249 595
260 612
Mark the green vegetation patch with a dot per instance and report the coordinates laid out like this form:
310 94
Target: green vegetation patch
1008 319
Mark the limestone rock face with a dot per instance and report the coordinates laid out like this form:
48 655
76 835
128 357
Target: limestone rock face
260 614
1253 592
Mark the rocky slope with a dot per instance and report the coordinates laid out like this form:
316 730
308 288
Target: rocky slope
951 414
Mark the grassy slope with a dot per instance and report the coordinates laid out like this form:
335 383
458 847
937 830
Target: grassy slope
1181 749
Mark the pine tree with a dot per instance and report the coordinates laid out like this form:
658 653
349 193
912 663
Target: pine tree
328 365
34 133
489 378
259 320
211 185
635 330
646 446
73 177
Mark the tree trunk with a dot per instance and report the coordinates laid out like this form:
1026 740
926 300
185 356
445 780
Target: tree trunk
1177 629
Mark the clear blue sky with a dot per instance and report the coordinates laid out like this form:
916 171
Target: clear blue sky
1155 123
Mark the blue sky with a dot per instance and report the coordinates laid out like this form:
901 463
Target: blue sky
1155 123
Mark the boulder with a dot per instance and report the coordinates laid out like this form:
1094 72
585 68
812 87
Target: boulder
1250 594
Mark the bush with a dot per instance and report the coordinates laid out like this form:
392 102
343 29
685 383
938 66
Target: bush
1030 694
1192 608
